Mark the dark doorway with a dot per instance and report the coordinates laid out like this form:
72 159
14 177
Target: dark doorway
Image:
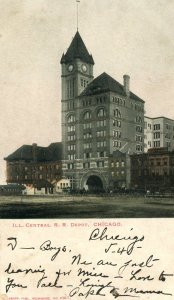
94 184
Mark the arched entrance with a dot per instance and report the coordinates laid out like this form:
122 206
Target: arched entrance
94 184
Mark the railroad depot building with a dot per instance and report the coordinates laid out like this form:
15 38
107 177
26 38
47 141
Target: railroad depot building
99 117
35 167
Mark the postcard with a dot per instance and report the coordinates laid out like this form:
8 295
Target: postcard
86 158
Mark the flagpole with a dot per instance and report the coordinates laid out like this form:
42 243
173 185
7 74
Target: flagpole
77 1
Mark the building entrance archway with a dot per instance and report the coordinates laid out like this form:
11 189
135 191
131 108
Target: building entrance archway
94 183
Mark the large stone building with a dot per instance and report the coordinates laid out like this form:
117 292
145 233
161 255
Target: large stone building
99 116
158 132
35 166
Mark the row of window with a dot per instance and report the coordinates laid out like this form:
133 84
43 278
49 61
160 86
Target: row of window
88 115
159 162
118 101
102 133
157 126
101 113
98 100
118 164
87 155
117 173
87 165
36 168
38 176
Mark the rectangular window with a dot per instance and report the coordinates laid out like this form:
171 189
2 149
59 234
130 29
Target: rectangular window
70 166
87 146
71 128
101 154
87 125
71 147
156 144
100 164
101 144
101 123
138 138
139 148
101 133
71 137
87 135
156 135
117 144
86 165
71 156
139 128
116 123
87 155
117 134
156 127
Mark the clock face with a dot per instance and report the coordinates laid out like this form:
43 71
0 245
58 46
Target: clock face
70 68
84 68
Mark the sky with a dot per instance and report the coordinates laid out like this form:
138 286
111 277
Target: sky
124 36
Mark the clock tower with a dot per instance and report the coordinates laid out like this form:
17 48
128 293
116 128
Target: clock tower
77 73
77 68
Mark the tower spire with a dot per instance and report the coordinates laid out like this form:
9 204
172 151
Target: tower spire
77 1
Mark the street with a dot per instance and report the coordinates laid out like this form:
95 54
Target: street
84 206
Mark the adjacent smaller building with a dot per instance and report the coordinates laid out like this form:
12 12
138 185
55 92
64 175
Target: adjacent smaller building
119 169
36 167
158 132
153 170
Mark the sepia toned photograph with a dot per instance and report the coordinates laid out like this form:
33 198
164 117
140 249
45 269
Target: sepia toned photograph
87 112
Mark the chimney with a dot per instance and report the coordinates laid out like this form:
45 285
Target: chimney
34 152
126 79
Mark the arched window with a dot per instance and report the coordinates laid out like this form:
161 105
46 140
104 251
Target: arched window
101 112
117 113
138 119
71 118
87 115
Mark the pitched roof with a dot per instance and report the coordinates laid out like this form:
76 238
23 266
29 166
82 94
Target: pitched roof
77 49
105 83
51 153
